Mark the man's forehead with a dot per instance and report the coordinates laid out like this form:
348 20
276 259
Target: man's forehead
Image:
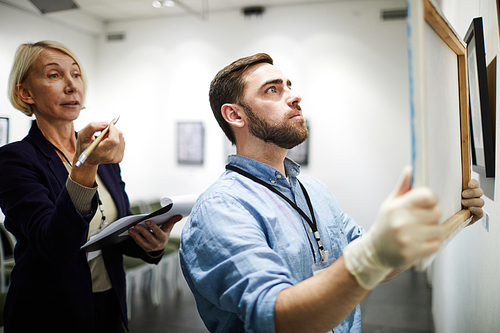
263 72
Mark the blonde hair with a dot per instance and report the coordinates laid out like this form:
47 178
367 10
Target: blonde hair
26 56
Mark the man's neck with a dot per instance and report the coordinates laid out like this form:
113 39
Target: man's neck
266 153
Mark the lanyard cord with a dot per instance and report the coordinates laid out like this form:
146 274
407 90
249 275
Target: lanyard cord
312 224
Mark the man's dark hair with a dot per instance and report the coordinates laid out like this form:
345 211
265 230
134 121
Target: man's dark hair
228 86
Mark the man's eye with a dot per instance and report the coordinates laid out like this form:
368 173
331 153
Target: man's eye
272 90
53 76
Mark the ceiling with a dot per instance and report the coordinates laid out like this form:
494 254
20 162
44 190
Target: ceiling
123 10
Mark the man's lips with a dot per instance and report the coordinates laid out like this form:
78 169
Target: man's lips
296 114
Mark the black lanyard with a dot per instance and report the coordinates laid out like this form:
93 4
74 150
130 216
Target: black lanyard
312 224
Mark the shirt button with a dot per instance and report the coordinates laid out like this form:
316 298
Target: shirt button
278 176
273 181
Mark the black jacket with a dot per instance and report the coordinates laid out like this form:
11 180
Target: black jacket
51 284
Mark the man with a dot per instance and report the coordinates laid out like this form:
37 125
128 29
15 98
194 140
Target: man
258 237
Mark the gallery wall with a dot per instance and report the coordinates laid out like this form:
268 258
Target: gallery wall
349 66
466 292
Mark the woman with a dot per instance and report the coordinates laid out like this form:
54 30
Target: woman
52 207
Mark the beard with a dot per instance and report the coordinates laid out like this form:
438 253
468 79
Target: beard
284 135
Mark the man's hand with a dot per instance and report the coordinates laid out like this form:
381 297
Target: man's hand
406 230
471 199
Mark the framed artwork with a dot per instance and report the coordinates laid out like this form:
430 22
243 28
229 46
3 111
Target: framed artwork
4 131
300 153
481 127
439 110
190 142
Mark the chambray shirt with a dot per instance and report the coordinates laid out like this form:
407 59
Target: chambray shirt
243 244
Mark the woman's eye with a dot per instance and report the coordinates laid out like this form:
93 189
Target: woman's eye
53 76
77 75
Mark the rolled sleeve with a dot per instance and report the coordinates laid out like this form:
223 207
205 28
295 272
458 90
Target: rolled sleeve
351 228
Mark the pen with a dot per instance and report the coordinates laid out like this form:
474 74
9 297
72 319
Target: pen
94 144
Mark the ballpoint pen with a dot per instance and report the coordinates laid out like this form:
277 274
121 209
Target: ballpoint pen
94 144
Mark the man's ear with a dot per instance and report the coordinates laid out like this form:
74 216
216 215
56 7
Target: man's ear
232 113
24 94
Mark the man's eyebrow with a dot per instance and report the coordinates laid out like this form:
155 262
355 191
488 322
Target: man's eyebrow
276 81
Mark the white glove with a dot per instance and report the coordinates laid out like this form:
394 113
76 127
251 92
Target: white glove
406 230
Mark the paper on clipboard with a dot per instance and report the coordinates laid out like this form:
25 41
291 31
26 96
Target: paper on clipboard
117 231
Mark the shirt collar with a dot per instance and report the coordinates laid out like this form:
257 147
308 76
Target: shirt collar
262 170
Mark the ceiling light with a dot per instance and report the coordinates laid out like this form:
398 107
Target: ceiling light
157 4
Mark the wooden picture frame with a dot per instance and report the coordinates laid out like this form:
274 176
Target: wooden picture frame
481 127
4 131
190 143
439 110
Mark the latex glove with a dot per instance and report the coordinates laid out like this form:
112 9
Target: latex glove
471 199
406 230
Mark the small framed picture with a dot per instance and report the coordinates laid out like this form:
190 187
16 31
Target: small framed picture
190 142
4 131
481 126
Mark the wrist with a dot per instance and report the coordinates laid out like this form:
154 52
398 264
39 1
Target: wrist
84 175
362 262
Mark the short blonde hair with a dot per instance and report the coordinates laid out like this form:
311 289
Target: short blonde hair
26 56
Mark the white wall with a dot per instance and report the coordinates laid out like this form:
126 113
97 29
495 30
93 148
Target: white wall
466 291
349 67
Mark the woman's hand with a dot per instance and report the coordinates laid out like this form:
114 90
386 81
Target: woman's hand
109 150
153 238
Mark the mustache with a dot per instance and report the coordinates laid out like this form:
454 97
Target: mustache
293 110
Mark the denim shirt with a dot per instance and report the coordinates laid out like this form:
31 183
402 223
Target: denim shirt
243 244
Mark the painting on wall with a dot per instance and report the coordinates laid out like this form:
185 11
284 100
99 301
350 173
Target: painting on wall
4 131
190 143
482 140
